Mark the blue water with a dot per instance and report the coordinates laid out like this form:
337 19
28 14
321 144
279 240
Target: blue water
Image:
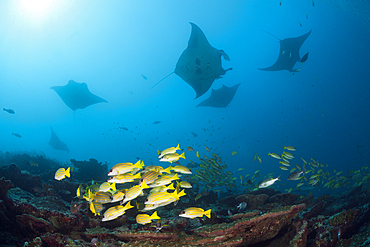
321 110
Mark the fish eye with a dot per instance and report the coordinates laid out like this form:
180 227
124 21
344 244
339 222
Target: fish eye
183 212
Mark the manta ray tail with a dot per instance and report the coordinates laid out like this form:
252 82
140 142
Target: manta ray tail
163 79
271 34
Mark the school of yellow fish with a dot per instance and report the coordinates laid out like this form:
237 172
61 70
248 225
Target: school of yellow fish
158 179
211 175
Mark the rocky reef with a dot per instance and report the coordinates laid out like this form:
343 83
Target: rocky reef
270 218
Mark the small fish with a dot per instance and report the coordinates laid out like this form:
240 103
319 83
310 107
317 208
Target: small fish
54 221
306 16
197 154
290 148
241 206
295 175
172 157
300 24
241 169
61 173
32 163
106 186
259 159
181 169
10 111
145 219
79 191
115 212
17 135
284 163
274 155
170 150
149 177
119 195
199 195
206 147
121 168
284 168
190 149
185 184
280 3
134 192
241 179
299 185
157 122
313 3
75 207
194 134
268 182
194 212
233 153
145 78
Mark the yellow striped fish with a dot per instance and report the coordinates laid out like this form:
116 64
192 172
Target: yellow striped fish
274 155
164 180
162 188
149 177
168 151
158 169
106 186
172 157
121 168
181 169
124 178
195 212
115 212
134 192
119 195
145 219
61 173
161 197
284 168
185 184
102 197
290 148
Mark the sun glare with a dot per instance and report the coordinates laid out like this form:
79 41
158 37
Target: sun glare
37 10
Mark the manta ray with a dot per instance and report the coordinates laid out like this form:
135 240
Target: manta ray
289 54
220 97
56 143
77 95
200 63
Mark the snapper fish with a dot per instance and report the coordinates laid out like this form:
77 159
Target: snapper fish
295 175
181 169
170 150
115 212
194 212
268 182
106 186
134 192
61 173
124 178
274 155
121 168
145 218
172 157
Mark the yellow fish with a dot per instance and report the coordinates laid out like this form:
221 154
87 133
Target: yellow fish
149 177
233 153
134 192
185 184
161 197
241 169
104 187
274 155
172 157
121 168
181 169
119 195
199 195
145 219
290 148
206 147
197 154
115 212
283 168
124 178
194 212
61 173
168 151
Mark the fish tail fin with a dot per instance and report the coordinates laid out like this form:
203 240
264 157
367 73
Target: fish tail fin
175 177
68 173
170 187
128 206
178 146
208 213
278 178
183 155
182 193
113 186
137 175
144 185
92 208
168 170
155 216
159 152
